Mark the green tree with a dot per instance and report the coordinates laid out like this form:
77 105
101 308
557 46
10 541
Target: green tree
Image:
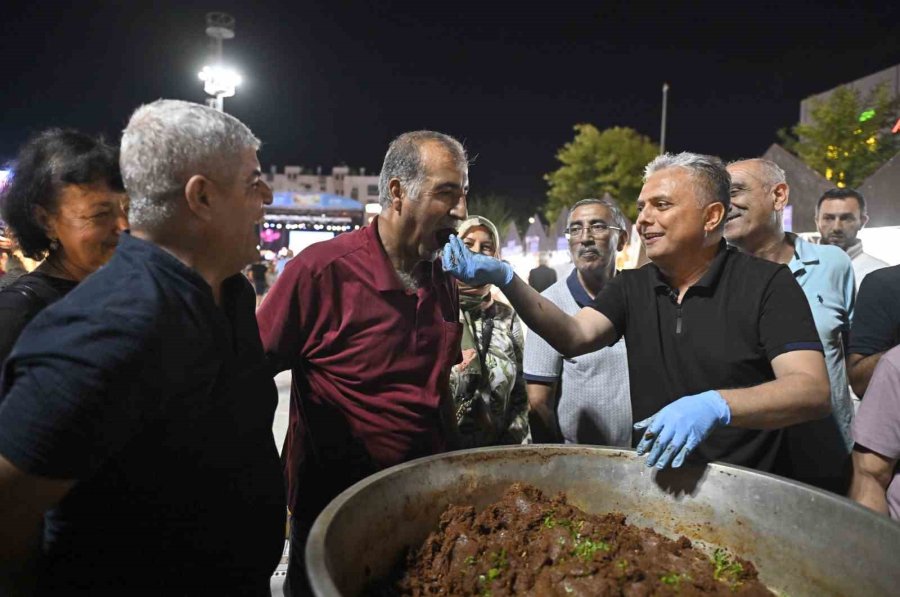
849 134
493 207
597 162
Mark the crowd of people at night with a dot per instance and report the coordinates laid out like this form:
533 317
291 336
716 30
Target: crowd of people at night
137 394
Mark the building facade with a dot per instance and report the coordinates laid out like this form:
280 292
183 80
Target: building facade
343 181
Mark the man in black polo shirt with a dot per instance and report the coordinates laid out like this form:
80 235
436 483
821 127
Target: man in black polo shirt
876 325
136 414
722 349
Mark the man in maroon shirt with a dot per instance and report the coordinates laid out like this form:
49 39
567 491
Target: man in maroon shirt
368 323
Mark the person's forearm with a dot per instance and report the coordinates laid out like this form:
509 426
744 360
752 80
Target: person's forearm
542 414
789 400
868 491
560 330
859 371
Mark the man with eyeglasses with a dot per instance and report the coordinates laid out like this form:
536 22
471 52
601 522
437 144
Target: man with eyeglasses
722 349
594 405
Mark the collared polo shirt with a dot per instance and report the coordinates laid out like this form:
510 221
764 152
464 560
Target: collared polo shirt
825 274
740 315
817 452
595 401
370 359
159 403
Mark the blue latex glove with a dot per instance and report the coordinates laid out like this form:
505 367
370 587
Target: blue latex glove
680 427
474 269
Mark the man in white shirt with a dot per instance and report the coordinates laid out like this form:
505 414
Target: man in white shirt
840 215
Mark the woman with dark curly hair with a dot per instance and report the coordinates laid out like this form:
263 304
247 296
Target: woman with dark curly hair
65 204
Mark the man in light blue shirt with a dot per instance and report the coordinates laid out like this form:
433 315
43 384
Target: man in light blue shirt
815 452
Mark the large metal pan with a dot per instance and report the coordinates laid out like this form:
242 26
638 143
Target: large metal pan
804 541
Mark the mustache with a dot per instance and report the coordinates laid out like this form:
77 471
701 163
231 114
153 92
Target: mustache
585 250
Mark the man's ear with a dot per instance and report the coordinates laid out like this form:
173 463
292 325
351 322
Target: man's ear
714 213
395 191
197 196
864 218
780 196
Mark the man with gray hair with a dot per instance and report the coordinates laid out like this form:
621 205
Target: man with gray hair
816 452
594 405
368 323
722 349
136 414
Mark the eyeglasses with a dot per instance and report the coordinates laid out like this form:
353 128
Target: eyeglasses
596 230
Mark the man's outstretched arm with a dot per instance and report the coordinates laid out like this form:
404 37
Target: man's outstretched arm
586 331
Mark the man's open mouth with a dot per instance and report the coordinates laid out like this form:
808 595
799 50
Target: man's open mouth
443 235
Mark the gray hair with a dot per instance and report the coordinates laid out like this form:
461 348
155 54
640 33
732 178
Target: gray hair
168 141
403 161
772 172
708 170
613 207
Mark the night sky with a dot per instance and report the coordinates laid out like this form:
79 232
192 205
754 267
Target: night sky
327 82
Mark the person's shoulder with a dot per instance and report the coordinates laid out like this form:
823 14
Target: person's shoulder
504 311
643 275
556 291
130 296
889 275
830 253
746 268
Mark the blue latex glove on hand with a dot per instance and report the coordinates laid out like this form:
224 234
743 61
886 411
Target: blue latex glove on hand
474 269
680 427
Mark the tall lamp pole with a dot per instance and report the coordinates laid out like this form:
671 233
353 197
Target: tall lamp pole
219 81
662 132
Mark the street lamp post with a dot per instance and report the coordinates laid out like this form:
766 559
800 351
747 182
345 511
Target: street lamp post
662 132
219 81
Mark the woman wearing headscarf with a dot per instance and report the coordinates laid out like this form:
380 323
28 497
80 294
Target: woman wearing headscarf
487 387
64 204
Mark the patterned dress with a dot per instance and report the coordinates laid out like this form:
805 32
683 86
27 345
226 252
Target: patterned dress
488 387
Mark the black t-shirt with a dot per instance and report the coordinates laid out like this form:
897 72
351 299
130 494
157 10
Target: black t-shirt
876 319
22 300
742 313
158 402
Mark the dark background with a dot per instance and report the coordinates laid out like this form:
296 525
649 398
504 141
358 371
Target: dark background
327 82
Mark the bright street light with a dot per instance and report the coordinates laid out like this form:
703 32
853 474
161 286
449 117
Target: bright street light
219 81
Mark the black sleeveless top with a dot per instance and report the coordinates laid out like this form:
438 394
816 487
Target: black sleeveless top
22 300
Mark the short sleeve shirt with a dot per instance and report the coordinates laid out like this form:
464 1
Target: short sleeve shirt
876 322
739 316
595 400
826 276
877 423
159 404
370 359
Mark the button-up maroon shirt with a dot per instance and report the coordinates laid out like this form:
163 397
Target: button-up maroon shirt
370 362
